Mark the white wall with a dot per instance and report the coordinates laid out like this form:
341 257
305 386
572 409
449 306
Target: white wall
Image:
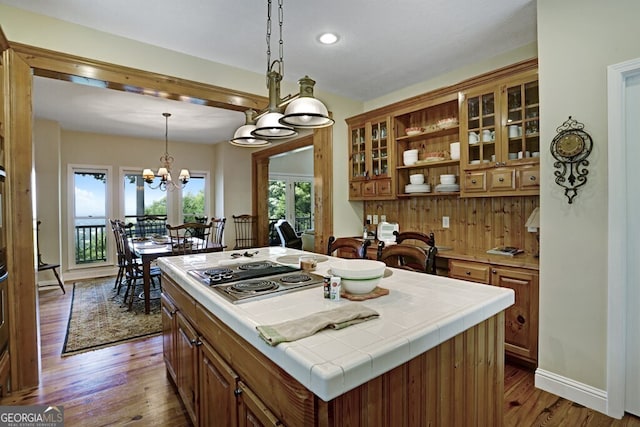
577 40
36 30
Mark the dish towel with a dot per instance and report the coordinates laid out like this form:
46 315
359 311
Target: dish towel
337 318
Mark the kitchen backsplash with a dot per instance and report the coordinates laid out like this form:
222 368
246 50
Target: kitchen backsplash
476 224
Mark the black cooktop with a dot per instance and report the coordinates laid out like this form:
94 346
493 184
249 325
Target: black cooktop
236 272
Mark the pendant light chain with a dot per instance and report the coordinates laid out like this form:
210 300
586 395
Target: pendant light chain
280 60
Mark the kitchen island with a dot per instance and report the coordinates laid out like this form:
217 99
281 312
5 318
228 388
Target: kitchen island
435 356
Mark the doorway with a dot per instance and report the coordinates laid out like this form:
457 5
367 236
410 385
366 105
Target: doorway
623 330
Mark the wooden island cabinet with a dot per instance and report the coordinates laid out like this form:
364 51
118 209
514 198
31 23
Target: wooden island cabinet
225 377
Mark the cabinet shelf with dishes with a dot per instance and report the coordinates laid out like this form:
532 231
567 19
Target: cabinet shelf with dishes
423 139
500 140
371 162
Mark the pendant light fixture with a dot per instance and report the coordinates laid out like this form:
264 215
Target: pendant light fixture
303 110
243 138
164 172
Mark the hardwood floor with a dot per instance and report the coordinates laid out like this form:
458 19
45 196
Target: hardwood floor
127 384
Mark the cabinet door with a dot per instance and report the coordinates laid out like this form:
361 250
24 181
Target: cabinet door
380 151
187 365
251 411
357 152
480 131
521 122
521 319
218 384
169 334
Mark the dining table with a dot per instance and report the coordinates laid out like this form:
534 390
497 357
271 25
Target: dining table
150 249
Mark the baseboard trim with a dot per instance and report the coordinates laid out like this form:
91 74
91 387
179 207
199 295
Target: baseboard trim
575 391
89 273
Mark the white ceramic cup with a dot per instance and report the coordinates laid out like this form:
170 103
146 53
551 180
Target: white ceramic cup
514 131
454 148
488 135
513 156
474 138
535 154
523 155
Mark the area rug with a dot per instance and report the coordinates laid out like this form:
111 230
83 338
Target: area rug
99 317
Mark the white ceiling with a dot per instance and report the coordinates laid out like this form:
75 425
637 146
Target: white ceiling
384 45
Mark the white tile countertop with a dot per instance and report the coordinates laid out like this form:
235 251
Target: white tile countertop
420 312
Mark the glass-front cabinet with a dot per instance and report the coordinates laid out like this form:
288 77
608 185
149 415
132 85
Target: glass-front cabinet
370 160
499 129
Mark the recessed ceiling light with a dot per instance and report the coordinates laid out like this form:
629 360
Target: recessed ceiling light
328 38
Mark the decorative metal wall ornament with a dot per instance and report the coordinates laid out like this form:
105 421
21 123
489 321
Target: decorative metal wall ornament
571 147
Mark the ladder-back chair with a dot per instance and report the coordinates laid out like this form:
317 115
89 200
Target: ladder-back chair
245 231
44 266
354 248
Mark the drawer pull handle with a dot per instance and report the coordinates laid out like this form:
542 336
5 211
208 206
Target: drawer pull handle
501 179
521 319
473 181
468 273
532 178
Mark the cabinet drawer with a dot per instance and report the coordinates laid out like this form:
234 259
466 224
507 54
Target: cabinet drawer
502 179
383 187
530 178
475 181
355 190
369 188
473 272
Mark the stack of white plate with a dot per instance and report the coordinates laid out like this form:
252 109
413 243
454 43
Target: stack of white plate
417 188
447 188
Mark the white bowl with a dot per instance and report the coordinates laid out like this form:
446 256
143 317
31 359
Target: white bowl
416 178
360 286
447 179
357 268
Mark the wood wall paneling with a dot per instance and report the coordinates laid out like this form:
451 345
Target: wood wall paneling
475 224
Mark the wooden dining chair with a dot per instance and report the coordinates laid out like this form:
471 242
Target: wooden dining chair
147 225
189 238
44 266
407 257
349 247
133 273
417 238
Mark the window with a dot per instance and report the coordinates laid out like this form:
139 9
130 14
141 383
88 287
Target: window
140 199
194 199
90 201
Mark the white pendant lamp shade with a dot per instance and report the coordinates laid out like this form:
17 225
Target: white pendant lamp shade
306 111
269 127
243 137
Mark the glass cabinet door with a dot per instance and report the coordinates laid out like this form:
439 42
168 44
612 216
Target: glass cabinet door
379 149
357 152
523 120
481 129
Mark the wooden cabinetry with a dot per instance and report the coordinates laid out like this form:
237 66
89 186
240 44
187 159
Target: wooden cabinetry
521 319
370 160
438 120
208 386
499 128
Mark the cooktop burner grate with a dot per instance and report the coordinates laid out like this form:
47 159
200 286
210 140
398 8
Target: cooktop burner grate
258 265
295 278
254 286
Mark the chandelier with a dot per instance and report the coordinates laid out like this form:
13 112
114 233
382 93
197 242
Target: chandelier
303 110
164 172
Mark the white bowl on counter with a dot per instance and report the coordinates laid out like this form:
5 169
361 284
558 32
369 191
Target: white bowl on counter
358 269
359 286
